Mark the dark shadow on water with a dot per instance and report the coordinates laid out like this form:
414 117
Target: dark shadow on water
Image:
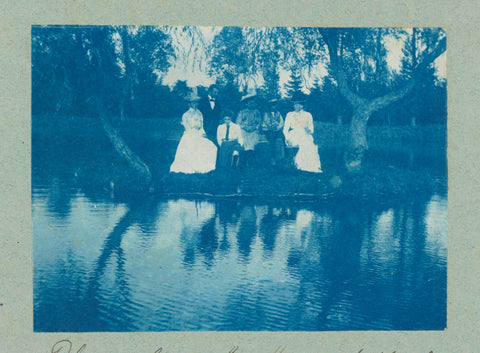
208 243
247 231
269 227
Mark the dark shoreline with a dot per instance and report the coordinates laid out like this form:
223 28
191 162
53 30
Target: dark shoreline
401 161
326 134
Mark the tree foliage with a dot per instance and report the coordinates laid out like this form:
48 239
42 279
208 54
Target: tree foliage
76 68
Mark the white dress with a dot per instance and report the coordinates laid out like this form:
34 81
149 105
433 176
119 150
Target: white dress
195 153
298 131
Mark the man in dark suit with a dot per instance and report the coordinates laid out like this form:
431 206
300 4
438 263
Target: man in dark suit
211 111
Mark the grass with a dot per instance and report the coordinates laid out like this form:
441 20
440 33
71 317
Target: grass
264 181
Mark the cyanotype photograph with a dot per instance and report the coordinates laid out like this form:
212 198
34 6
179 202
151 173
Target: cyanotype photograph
190 178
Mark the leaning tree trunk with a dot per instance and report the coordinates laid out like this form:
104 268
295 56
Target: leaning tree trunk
141 170
357 140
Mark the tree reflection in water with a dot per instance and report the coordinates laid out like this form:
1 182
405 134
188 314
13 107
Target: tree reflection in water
142 212
246 231
241 265
269 228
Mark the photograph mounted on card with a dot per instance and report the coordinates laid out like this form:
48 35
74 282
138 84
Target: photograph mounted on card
189 178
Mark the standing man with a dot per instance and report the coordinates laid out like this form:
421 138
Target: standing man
211 111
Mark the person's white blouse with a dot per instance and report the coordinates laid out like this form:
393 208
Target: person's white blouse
192 120
234 133
298 120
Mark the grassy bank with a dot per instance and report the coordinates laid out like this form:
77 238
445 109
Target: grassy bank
392 167
326 134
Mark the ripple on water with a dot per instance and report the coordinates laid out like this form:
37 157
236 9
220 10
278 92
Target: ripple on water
325 269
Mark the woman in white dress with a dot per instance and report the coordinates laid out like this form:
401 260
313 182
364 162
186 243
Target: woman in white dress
195 153
298 131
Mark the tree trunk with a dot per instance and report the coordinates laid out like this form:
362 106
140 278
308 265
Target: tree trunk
357 143
141 169
362 108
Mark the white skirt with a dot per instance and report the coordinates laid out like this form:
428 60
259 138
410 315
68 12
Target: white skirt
195 154
307 157
250 140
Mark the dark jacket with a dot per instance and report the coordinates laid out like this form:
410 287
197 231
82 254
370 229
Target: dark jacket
211 117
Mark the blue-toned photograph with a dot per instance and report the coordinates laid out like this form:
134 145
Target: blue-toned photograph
238 179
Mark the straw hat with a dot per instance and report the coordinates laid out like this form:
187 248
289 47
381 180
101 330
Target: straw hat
192 97
251 93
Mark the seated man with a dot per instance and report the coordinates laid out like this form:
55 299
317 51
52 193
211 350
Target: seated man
230 142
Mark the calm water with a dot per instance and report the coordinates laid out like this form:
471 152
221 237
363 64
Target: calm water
156 264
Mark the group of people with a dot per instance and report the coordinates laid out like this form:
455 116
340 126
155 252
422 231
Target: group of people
213 140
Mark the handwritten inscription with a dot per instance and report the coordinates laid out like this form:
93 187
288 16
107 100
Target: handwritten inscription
66 346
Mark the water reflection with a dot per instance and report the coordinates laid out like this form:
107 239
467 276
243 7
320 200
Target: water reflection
269 228
155 264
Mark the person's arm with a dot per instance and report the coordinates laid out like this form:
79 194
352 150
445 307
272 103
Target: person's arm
280 121
310 124
219 134
286 127
184 121
239 135
258 120
265 122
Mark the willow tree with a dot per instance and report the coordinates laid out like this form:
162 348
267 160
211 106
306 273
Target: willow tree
254 56
357 62
229 61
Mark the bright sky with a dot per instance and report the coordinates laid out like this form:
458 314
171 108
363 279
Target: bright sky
394 57
192 68
193 71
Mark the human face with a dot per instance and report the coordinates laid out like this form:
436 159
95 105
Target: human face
297 106
227 120
250 103
193 104
274 107
213 92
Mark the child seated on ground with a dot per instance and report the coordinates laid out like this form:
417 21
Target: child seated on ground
230 142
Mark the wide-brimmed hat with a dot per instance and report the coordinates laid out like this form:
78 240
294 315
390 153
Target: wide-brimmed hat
251 93
299 97
192 97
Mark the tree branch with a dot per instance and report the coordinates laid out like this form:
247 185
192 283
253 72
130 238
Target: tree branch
383 101
432 56
337 69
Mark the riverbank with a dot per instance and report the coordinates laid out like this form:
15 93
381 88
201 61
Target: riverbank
370 182
400 161
326 134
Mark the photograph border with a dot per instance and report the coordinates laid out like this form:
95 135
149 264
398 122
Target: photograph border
16 275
